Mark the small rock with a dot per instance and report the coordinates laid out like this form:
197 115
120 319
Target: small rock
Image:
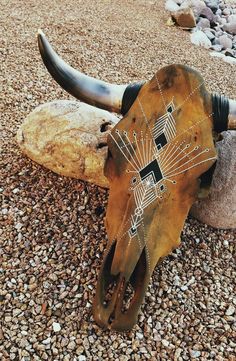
195 353
63 295
184 18
18 226
226 11
232 19
177 354
171 6
158 326
230 60
218 20
203 23
16 312
47 341
226 243
82 358
230 310
230 52
176 281
209 34
230 28
64 342
165 343
225 42
213 5
71 345
199 38
207 13
217 47
56 327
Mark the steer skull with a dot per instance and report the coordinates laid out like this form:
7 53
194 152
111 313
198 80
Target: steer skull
160 156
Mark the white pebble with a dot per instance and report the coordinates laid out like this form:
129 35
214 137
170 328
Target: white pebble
216 54
18 226
82 358
171 6
230 60
230 311
56 327
139 335
47 341
165 343
199 38
195 354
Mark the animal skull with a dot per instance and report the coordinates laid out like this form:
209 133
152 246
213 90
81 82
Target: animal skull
159 158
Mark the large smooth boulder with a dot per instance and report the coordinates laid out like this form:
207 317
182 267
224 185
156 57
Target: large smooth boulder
69 138
219 208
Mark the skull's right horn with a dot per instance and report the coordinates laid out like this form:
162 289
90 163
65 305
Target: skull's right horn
112 97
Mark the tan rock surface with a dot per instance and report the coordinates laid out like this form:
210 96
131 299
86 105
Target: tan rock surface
219 208
69 138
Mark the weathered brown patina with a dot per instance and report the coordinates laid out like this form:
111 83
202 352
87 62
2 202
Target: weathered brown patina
181 161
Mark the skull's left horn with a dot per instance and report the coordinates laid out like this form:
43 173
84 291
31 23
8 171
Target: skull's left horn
112 97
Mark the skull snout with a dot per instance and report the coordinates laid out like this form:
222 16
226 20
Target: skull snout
118 299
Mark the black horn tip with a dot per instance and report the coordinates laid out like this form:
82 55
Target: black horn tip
130 95
220 109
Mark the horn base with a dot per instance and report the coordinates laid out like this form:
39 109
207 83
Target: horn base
220 108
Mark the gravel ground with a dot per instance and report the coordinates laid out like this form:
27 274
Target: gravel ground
52 234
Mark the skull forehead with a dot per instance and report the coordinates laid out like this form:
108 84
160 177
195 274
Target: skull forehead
173 106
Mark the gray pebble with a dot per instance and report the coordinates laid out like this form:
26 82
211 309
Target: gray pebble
225 41
203 23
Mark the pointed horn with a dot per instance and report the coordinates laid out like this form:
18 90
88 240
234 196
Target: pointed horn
224 113
112 97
